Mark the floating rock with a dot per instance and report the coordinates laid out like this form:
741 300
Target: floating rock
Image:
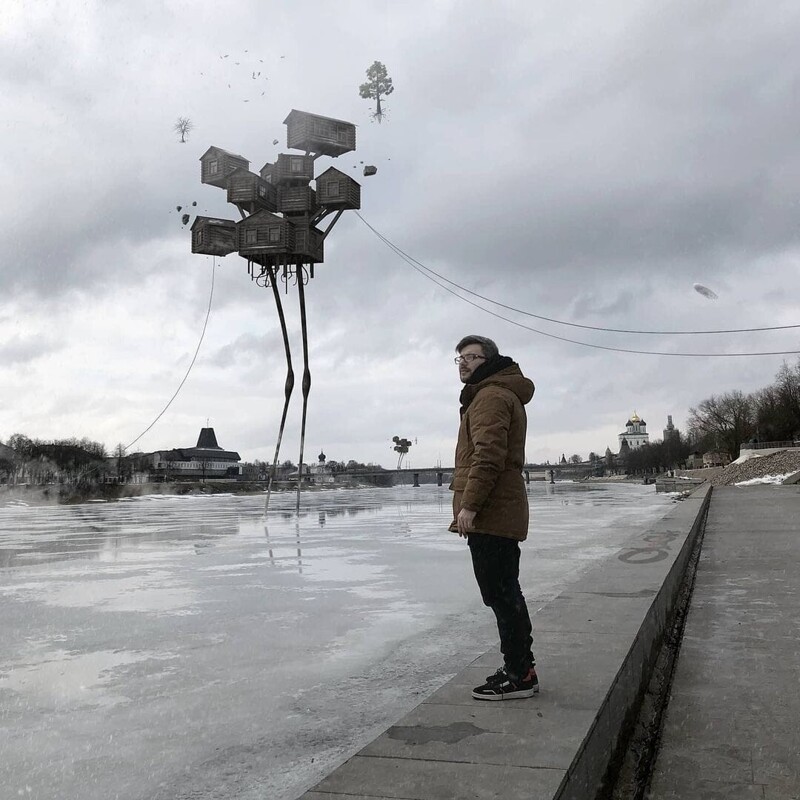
178 208
370 170
185 218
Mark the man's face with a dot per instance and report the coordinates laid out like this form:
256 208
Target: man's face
474 358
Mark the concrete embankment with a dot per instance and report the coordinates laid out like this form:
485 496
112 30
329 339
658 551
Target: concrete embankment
596 644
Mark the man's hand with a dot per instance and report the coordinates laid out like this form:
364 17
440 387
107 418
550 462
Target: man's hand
465 521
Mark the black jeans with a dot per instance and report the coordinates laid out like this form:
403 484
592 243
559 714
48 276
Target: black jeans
495 560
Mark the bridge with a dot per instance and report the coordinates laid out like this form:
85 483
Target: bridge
440 475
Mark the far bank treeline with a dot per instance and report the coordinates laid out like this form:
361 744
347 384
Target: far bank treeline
722 424
729 420
85 462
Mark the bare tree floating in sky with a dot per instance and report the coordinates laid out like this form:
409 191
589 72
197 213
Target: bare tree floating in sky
378 85
183 127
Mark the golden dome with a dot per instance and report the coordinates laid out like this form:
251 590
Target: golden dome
635 417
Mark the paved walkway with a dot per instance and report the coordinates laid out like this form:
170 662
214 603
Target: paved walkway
732 726
595 644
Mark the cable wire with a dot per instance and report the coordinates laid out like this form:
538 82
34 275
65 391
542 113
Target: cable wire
194 358
405 255
423 270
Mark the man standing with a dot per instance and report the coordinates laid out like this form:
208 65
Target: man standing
490 504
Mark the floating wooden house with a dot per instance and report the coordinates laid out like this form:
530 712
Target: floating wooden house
293 169
297 200
264 233
308 241
321 135
267 171
216 164
213 237
337 190
251 192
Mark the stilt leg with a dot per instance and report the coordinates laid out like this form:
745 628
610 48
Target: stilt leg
289 385
306 380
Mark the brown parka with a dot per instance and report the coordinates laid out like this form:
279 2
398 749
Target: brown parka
490 453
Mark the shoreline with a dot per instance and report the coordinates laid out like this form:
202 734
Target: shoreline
36 495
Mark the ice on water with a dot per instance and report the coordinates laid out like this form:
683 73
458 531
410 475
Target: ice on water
167 645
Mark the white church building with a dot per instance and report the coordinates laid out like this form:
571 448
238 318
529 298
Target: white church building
635 433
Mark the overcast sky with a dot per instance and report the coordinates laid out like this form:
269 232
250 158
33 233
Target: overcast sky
584 162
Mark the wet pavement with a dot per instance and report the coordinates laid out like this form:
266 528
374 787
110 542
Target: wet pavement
731 726
178 647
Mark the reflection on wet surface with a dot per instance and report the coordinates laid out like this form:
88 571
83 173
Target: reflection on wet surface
165 630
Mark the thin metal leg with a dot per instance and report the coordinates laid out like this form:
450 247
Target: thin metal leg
289 385
306 381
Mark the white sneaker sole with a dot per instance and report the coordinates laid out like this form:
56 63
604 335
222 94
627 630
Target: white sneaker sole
520 695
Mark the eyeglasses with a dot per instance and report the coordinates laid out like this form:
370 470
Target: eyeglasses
467 359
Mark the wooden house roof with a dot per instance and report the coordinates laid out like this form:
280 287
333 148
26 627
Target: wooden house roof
245 171
215 149
338 174
294 111
263 216
224 223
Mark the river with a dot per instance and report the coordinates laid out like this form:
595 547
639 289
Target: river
178 647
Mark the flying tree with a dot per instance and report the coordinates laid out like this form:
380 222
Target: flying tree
280 233
183 127
377 85
401 446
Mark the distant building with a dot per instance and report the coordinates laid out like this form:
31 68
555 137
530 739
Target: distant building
694 460
635 434
321 472
716 458
671 432
205 460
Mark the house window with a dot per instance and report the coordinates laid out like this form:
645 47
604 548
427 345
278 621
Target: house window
341 135
251 236
296 165
213 167
333 189
198 236
274 235
262 190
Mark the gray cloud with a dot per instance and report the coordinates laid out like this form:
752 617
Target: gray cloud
26 349
587 165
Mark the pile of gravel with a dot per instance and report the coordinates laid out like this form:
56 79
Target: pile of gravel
781 463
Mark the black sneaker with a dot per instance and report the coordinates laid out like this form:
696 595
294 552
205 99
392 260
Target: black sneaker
501 676
503 688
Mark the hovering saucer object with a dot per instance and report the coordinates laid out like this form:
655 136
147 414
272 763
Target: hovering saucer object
705 291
